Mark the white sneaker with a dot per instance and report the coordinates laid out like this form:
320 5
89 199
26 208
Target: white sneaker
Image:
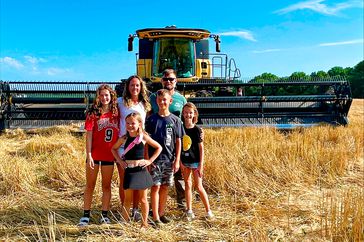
190 215
105 220
209 215
84 221
136 216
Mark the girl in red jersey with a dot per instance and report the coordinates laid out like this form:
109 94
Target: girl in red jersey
102 126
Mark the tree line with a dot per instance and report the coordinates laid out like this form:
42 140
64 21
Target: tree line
355 75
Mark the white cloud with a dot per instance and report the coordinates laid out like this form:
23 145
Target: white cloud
241 34
33 60
266 51
348 42
11 62
52 71
31 66
320 7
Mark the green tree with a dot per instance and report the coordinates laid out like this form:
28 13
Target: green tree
340 71
265 77
298 75
356 78
319 75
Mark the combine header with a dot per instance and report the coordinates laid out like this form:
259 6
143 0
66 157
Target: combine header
44 103
210 80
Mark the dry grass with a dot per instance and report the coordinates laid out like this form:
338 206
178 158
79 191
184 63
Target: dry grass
263 185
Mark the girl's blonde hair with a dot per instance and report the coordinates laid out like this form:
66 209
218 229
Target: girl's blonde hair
191 105
96 108
143 95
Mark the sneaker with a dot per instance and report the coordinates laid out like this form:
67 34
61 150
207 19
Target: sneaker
105 220
136 216
150 213
190 215
181 205
84 221
157 224
164 219
209 215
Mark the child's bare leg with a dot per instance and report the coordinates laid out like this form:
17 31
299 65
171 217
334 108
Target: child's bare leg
91 177
121 184
143 198
188 187
127 203
201 191
106 174
163 194
155 201
136 197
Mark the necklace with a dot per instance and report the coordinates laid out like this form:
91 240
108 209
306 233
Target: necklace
105 109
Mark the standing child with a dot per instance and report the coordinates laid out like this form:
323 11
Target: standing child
136 176
193 159
166 128
102 128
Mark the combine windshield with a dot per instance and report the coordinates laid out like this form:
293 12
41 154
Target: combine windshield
175 53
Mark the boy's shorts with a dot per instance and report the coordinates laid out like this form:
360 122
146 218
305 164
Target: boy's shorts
162 173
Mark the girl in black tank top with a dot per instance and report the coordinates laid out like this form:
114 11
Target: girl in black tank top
136 177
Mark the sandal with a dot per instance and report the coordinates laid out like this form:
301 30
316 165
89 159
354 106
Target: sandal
84 221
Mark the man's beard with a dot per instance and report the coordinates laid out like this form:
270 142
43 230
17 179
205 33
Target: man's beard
169 88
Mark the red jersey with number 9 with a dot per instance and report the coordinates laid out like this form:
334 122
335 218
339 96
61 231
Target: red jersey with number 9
105 130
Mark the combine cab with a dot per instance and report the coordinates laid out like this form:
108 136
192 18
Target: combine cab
210 80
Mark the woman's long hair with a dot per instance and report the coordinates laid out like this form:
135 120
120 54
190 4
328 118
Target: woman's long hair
96 108
143 96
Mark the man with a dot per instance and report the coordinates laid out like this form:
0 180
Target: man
169 82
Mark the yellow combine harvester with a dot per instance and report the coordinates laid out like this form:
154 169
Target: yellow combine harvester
210 80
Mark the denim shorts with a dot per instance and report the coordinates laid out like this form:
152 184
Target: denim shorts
162 173
191 165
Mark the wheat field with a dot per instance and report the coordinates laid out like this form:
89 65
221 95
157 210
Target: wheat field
263 185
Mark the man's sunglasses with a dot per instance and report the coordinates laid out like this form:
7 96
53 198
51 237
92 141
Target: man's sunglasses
170 79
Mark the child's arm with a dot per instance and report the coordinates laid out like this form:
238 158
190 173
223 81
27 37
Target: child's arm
176 163
89 158
158 149
115 148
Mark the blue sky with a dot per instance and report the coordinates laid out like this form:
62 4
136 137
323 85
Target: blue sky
87 39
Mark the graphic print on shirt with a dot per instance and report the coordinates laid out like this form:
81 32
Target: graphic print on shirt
186 142
109 132
169 131
105 123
